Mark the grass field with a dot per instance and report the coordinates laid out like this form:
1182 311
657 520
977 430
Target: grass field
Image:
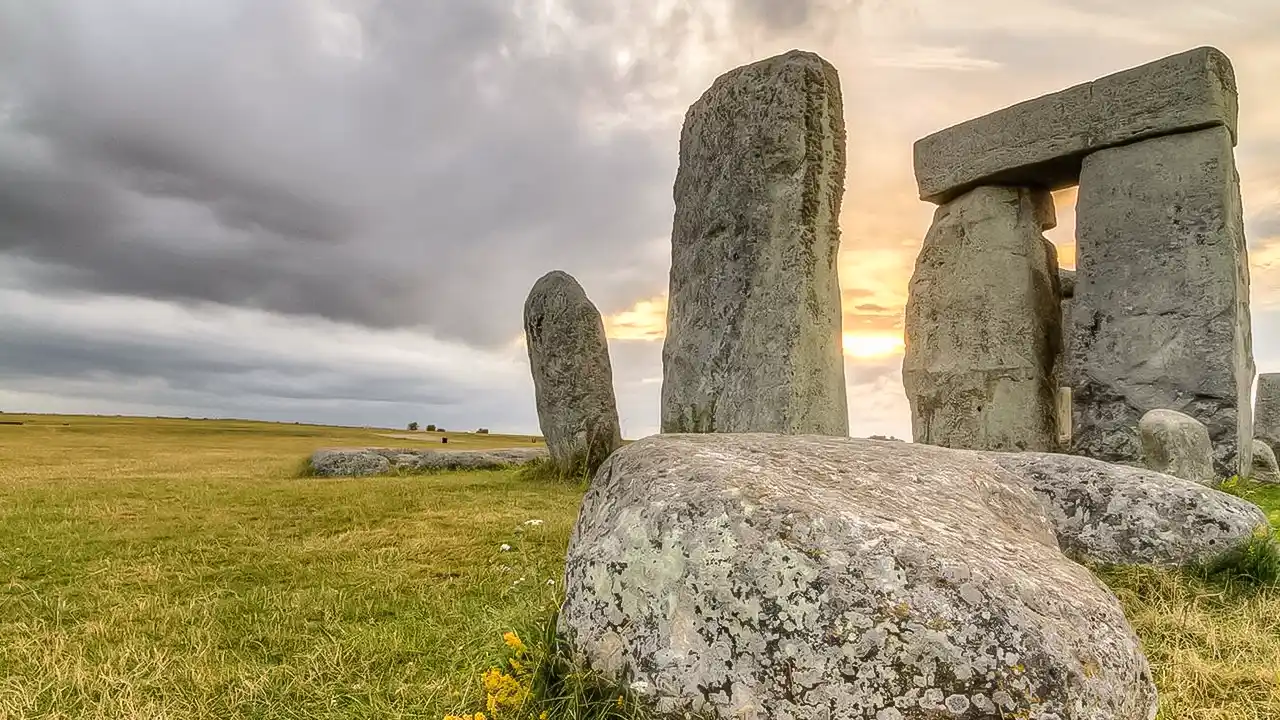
182 569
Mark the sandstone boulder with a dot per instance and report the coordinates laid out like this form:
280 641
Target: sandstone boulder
768 576
1161 306
983 325
1176 444
754 324
1109 514
1265 469
348 463
572 375
1267 423
1040 142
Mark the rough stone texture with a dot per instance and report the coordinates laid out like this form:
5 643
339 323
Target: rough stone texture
1266 426
355 462
753 323
1176 444
572 376
1264 463
809 577
1160 315
348 463
1117 515
1041 142
983 325
1067 285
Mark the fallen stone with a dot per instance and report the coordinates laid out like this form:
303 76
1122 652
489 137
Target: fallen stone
1265 469
754 322
1042 142
572 375
357 462
983 325
1176 444
348 463
1107 514
1266 426
770 576
1161 306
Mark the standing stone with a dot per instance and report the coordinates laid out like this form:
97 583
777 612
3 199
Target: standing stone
754 324
1160 315
1067 283
1176 444
1266 426
1265 469
983 325
572 377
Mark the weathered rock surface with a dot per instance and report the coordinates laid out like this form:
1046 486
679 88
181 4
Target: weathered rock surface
1117 515
355 462
1161 304
769 576
572 375
1041 142
983 325
754 324
1265 469
1176 444
1266 426
1067 285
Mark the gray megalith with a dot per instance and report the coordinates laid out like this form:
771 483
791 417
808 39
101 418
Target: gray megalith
754 323
572 376
983 325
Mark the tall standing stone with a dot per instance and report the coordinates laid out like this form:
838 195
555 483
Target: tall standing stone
1161 304
754 325
572 376
983 325
1267 422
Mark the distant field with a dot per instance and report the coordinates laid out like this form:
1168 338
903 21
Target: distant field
181 569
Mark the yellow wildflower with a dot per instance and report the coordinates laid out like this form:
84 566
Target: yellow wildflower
619 701
514 642
502 692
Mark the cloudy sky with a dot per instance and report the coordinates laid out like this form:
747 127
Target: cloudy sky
331 210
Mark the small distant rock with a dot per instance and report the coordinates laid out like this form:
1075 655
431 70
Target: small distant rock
1265 469
1177 444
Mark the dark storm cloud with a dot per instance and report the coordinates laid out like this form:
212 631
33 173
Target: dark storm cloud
219 153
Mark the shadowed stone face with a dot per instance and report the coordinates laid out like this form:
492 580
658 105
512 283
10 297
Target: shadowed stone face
1160 310
572 376
754 324
1267 423
983 325
1042 142
769 576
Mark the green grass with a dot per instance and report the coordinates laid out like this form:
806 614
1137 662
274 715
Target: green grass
181 569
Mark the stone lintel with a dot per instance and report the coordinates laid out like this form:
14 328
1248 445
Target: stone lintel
1041 143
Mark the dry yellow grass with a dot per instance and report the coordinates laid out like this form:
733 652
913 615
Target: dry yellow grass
181 569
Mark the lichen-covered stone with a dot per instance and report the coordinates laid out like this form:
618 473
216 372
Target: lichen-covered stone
1118 515
1265 469
1161 304
1266 424
753 322
572 375
348 463
776 577
356 462
983 325
1040 142
1176 444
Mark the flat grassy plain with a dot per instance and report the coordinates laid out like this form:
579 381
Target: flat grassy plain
182 569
